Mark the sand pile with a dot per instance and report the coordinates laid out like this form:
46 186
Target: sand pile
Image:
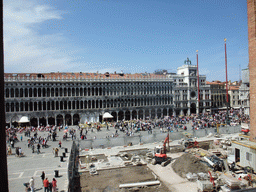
188 163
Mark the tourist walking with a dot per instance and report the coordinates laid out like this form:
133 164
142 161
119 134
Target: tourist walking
33 148
42 176
54 185
38 148
56 152
32 184
46 185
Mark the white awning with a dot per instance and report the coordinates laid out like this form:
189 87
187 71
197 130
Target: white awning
23 119
107 115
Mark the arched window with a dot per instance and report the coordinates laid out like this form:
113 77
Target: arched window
39 92
7 93
21 92
44 92
12 92
35 92
16 92
56 92
52 92
21 106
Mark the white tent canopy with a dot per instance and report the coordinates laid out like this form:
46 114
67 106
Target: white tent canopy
24 119
107 115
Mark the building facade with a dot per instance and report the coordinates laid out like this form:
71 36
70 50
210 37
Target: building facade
73 98
185 91
233 92
244 92
218 96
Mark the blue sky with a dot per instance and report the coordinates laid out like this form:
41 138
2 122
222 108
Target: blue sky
132 36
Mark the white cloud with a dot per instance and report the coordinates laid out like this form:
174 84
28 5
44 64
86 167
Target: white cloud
25 49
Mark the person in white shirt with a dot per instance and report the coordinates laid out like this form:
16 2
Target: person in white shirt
32 184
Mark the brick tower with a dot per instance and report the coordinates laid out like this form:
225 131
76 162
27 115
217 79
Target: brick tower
251 14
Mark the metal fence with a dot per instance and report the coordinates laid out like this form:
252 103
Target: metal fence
73 168
151 138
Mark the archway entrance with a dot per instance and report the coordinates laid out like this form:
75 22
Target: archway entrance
165 112
76 119
127 115
33 122
68 119
134 114
42 121
147 114
193 108
140 114
153 114
51 121
114 116
170 112
159 115
120 115
59 120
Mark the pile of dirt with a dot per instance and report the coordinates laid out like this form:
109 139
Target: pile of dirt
188 163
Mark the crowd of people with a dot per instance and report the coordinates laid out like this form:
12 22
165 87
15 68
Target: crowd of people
168 124
47 185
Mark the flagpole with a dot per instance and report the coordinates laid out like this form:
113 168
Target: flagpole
198 89
226 69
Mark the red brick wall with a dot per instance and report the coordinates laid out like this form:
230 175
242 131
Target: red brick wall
251 14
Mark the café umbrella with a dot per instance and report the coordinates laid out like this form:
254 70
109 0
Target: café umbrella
107 116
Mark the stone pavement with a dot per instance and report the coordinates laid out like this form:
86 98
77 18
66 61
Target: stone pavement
21 169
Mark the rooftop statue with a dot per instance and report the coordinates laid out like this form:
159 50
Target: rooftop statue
188 62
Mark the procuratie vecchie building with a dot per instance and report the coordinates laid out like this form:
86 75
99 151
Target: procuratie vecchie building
73 98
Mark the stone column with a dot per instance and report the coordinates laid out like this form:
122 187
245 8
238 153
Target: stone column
137 114
38 123
56 120
174 113
167 111
47 120
162 112
144 114
155 113
189 112
130 114
71 119
181 112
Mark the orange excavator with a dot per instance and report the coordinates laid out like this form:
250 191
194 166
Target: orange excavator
160 153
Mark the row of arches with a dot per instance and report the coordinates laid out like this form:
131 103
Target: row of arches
86 104
75 119
88 91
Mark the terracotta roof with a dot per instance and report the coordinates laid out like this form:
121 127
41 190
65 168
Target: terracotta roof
215 83
234 87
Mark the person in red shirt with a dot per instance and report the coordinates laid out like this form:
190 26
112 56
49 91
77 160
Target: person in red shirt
46 185
54 185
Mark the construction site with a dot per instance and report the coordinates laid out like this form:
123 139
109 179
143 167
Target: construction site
191 164
217 162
